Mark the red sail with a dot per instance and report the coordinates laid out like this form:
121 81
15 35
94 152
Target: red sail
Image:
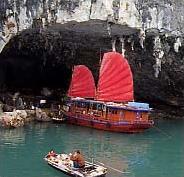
82 84
115 80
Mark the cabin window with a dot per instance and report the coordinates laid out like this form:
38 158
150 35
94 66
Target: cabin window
114 111
80 105
138 115
108 110
83 105
99 107
94 106
74 103
104 108
88 106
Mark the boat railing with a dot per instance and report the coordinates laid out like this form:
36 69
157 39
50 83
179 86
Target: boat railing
144 121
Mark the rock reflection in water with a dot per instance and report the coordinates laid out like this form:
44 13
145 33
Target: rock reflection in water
42 126
12 137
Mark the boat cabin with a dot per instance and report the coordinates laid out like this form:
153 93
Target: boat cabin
113 112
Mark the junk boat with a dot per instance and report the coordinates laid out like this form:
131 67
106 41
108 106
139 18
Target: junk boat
63 163
111 106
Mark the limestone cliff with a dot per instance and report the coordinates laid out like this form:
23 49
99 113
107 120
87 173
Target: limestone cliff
18 15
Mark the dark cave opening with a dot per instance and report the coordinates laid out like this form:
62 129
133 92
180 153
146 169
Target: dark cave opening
37 59
28 72
27 75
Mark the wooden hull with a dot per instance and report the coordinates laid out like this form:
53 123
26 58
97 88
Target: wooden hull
123 126
69 174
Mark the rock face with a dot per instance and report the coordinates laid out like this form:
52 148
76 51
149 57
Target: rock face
45 38
18 15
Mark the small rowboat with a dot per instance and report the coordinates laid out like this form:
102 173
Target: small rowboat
63 163
58 120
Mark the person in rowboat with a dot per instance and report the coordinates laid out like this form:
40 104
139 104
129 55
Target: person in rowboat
78 159
51 154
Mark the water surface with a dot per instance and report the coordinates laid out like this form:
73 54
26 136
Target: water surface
158 152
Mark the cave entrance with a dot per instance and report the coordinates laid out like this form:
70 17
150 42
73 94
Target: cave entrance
44 58
28 75
28 66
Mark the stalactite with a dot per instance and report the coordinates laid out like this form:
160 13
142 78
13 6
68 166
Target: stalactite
113 45
132 45
51 48
44 59
44 22
142 37
177 44
109 28
122 40
110 22
131 41
158 53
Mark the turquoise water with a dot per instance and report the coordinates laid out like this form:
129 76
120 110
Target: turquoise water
158 152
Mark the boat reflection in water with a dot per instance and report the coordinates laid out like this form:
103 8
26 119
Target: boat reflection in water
119 151
41 126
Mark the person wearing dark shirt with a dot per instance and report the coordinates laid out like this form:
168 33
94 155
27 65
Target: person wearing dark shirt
77 159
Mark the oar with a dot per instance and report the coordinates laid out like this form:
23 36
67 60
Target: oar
112 168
